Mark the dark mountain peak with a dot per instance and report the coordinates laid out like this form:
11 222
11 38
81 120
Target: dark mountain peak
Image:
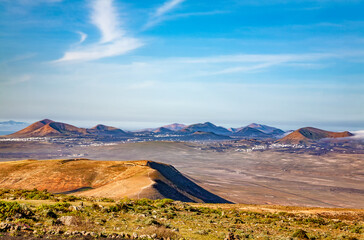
163 130
206 127
102 127
46 121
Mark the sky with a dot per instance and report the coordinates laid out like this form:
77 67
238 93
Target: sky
137 64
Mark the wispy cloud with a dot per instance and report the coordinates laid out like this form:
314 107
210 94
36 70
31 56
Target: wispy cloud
159 14
18 58
17 79
252 62
83 37
167 7
105 18
113 40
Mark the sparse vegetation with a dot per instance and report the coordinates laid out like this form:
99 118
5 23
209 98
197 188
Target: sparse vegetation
28 213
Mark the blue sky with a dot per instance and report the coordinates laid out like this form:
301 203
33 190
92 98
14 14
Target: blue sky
135 64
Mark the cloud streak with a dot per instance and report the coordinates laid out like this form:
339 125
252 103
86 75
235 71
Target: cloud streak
105 18
167 7
113 42
159 14
83 37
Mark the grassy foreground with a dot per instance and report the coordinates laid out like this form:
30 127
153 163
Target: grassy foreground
37 214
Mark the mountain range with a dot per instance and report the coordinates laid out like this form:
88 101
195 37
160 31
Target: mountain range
195 132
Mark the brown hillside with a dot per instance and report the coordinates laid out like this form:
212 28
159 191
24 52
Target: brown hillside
310 134
112 179
33 127
48 127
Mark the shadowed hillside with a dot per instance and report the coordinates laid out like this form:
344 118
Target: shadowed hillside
113 179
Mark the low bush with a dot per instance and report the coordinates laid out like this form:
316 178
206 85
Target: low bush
9 209
56 208
300 234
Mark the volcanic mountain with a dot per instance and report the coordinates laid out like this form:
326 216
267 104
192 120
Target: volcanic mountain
249 132
175 126
48 127
310 134
265 128
163 130
262 128
106 130
112 179
206 127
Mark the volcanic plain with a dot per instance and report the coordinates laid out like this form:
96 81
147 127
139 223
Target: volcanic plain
256 177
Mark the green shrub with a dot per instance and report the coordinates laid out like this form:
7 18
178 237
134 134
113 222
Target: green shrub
107 200
357 229
300 234
152 221
163 202
8 209
58 207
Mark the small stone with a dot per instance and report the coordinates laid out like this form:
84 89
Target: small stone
68 220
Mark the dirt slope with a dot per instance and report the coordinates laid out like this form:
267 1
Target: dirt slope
112 179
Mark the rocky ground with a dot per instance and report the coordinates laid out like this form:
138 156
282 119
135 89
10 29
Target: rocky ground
42 215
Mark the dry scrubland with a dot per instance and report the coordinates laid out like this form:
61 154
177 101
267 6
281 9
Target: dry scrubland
39 214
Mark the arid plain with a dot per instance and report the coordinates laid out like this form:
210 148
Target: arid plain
257 177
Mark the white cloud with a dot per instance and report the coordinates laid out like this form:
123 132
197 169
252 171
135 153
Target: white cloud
98 51
83 37
104 16
251 62
159 14
18 79
18 58
166 7
113 40
358 134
